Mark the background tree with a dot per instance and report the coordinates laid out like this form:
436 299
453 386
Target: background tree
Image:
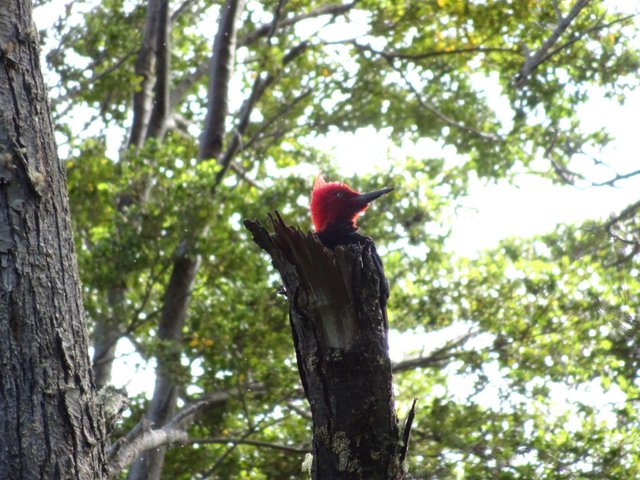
166 264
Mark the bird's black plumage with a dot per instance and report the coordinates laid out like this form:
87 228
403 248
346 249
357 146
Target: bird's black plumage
346 233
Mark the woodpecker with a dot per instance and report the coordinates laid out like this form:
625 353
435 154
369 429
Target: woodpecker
335 208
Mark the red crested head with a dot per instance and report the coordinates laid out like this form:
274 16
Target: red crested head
333 202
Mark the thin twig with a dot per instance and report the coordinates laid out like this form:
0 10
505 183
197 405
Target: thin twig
627 213
224 455
265 125
264 30
448 351
181 9
586 32
618 176
255 443
136 320
423 103
83 85
442 53
178 93
260 85
533 61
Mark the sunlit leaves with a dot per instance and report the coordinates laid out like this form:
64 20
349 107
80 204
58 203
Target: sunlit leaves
534 328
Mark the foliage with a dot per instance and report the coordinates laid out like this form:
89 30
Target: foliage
535 327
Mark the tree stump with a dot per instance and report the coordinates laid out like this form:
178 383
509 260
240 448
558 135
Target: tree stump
340 336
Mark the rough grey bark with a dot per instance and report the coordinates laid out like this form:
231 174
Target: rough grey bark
51 427
340 337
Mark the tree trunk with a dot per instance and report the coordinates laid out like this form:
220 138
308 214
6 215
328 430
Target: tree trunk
106 333
148 466
176 304
340 336
51 427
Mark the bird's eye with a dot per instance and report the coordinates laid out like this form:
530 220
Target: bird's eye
339 194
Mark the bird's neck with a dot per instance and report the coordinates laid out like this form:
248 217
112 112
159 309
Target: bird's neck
339 232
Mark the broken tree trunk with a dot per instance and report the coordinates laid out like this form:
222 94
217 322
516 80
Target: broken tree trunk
340 336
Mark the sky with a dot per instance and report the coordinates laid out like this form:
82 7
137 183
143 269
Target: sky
491 212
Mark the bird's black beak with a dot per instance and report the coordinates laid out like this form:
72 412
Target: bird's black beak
366 198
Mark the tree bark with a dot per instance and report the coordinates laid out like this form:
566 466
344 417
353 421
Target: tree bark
50 424
340 337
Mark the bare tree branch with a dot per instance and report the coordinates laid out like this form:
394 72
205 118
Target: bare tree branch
276 20
300 411
224 455
141 438
449 121
144 69
244 175
160 112
212 400
437 357
533 61
613 180
265 29
443 53
422 102
181 89
220 71
579 36
150 440
270 121
107 349
181 9
81 85
260 85
255 443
